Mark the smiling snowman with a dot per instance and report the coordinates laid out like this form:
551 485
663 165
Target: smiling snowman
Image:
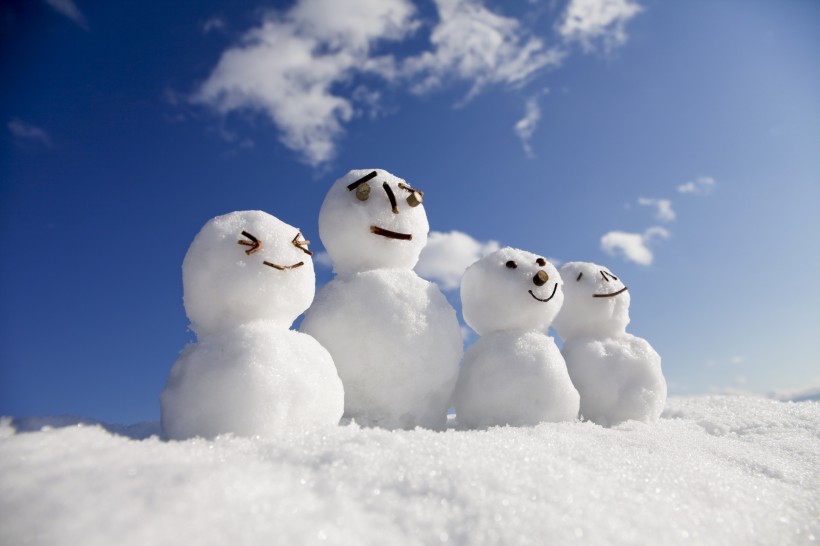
246 277
514 374
394 337
617 374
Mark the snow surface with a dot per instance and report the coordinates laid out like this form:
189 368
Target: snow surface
713 470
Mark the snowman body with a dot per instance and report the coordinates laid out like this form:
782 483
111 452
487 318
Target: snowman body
246 277
394 337
618 375
514 374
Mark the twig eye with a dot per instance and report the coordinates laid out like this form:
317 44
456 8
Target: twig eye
301 245
511 264
578 278
541 261
254 243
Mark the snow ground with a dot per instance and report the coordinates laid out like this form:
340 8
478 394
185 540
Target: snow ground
714 470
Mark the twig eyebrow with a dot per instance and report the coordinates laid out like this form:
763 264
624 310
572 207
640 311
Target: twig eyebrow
362 180
254 243
301 245
284 267
410 188
392 197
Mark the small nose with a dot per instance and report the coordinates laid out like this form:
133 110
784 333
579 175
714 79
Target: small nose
540 278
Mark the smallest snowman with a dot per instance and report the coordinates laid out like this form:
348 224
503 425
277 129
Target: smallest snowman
246 277
617 374
514 374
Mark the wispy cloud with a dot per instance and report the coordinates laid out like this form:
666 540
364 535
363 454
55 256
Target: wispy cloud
447 255
703 185
633 246
302 68
663 208
809 391
475 45
28 133
213 24
525 127
69 9
597 21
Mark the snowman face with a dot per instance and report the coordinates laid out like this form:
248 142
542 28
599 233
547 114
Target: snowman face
596 303
246 266
371 219
511 289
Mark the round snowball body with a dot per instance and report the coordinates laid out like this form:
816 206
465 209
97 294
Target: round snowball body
255 380
246 266
511 289
618 378
596 302
362 228
396 343
514 378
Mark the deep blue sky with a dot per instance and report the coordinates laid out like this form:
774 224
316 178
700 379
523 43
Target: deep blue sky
109 167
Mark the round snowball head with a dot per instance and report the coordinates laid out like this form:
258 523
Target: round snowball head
246 266
596 302
511 289
371 219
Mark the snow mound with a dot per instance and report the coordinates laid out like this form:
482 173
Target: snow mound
713 470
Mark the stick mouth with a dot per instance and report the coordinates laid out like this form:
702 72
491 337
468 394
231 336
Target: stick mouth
283 267
376 230
554 288
612 295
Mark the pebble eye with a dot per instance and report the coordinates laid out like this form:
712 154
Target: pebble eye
541 261
362 187
578 278
363 192
416 196
511 264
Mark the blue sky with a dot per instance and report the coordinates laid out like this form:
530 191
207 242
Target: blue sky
676 142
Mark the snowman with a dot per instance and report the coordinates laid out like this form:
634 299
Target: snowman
617 374
514 374
394 338
246 277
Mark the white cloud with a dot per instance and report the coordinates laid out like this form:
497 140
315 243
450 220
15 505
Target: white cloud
525 127
703 185
287 66
663 208
809 391
213 24
447 255
23 131
298 67
473 44
588 21
322 258
633 246
70 10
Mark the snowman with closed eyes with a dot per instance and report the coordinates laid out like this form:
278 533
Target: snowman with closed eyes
394 337
246 277
617 374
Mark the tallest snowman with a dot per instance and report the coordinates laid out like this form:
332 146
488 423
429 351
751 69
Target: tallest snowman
394 338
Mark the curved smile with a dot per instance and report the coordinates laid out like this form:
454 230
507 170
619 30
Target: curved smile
284 267
622 290
391 234
554 288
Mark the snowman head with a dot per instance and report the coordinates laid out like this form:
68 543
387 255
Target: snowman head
371 219
596 303
511 289
246 266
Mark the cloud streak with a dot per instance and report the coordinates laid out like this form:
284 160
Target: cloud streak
663 208
703 185
26 132
525 127
69 9
591 22
634 247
